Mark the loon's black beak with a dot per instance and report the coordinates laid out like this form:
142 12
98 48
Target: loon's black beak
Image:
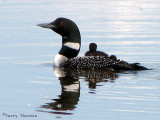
47 25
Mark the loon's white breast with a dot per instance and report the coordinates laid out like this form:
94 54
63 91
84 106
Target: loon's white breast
59 59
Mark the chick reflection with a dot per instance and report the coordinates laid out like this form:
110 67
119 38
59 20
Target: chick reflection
70 87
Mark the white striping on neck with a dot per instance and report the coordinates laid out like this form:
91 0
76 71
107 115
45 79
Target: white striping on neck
59 59
72 45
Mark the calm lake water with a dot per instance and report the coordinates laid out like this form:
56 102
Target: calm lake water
30 86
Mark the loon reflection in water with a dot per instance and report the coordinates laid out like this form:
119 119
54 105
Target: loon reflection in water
70 88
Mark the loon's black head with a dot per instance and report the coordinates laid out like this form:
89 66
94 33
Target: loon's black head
65 27
71 39
92 47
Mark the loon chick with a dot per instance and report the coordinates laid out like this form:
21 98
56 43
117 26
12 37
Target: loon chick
113 57
92 51
71 43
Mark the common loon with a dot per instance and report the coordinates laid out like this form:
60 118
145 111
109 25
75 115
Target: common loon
93 51
71 43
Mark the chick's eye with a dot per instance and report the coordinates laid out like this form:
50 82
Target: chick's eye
61 23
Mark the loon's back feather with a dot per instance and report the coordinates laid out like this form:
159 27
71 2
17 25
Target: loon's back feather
99 62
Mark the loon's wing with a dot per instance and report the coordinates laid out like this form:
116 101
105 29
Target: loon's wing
137 66
123 65
100 62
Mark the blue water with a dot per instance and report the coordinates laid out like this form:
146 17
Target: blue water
30 86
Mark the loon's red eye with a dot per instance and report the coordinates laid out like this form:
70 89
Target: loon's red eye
61 23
